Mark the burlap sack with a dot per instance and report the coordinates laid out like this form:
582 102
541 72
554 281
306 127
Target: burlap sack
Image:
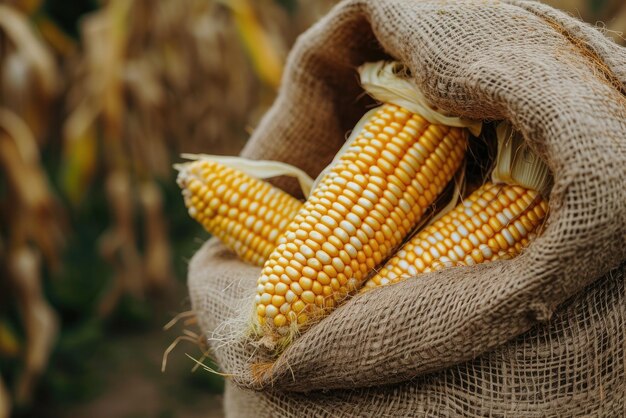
542 334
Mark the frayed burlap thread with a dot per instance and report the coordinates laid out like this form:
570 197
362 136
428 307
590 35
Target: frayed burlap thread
542 334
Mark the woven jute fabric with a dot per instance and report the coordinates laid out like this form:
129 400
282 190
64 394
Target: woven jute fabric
539 335
572 366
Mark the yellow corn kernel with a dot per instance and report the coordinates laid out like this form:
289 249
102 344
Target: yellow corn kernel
500 219
247 214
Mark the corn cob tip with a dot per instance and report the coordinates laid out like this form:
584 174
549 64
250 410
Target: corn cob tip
183 179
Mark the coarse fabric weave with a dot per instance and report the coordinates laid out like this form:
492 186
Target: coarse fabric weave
542 334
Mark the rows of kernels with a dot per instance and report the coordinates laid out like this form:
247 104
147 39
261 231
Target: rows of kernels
495 222
246 214
359 213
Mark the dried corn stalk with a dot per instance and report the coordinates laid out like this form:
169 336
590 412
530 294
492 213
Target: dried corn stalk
40 320
118 244
157 264
31 216
33 226
28 73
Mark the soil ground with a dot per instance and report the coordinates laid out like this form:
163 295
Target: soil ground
132 385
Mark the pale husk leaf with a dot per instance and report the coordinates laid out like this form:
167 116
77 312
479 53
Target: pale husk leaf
517 164
260 169
389 82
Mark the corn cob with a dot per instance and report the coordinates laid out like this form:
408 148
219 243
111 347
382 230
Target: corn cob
356 216
496 221
247 214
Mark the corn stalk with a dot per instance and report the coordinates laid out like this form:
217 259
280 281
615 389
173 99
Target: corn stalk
32 221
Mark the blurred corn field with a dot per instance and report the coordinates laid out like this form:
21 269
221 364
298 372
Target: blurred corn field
91 119
97 100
